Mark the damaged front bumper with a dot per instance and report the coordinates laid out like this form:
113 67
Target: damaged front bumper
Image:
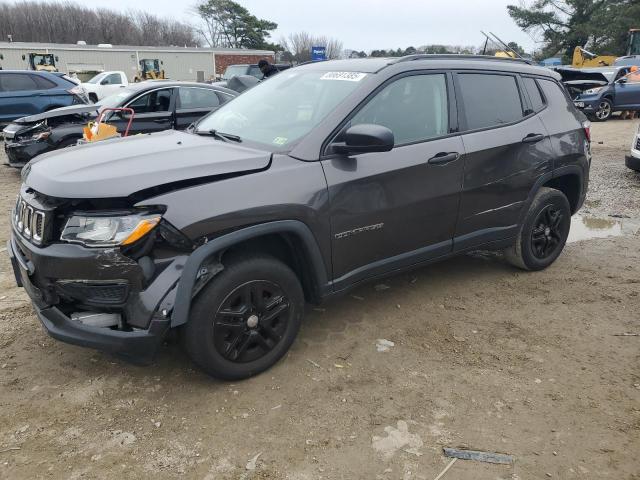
62 279
20 153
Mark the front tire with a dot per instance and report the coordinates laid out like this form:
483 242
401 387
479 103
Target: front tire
245 319
604 110
543 233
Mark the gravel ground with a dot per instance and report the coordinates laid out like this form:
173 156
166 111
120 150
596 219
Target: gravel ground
483 356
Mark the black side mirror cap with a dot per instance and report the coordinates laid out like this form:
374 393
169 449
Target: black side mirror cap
365 138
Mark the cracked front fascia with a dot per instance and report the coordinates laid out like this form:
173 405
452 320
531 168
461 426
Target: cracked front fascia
110 258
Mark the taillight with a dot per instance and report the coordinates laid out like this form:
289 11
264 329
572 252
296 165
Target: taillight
77 90
587 130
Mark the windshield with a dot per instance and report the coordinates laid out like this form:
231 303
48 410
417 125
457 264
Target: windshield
115 100
148 64
44 59
97 78
234 70
284 108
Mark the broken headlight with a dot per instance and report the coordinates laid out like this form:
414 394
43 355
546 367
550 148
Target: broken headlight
592 91
108 231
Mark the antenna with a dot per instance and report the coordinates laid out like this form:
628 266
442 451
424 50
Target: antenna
505 45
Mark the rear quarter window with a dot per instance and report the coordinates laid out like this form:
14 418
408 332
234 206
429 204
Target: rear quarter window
556 95
489 100
535 95
44 83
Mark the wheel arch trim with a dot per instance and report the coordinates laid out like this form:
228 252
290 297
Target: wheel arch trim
544 179
187 282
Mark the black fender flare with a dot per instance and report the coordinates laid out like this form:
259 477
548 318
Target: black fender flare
187 282
558 172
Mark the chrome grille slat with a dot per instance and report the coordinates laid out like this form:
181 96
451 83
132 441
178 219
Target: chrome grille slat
29 221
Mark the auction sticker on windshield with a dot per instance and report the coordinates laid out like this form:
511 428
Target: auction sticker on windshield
348 76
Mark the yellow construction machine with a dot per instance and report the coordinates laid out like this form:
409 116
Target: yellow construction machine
585 59
149 70
42 62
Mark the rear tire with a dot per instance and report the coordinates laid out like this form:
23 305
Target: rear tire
245 319
543 232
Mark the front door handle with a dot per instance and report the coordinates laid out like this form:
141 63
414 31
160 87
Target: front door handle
161 120
533 138
443 158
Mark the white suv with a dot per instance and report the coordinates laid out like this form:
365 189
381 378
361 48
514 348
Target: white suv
633 159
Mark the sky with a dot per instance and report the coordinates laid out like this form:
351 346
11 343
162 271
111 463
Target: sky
371 24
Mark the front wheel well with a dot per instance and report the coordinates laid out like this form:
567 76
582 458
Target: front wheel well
571 186
287 248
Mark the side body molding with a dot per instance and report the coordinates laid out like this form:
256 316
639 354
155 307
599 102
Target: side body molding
187 282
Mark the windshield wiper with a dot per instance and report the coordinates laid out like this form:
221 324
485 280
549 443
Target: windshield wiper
220 135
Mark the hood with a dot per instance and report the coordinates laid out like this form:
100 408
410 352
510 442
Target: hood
124 166
571 75
59 112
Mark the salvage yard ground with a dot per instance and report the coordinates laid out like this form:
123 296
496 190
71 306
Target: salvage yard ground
477 354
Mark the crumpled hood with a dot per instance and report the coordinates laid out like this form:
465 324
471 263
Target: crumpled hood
577 75
123 166
59 112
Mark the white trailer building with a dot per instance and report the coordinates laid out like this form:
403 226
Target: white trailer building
195 64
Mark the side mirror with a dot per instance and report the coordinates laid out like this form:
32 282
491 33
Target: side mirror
57 58
104 82
365 138
623 80
24 57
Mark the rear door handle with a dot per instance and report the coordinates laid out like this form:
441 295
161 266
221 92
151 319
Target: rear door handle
533 138
161 120
443 158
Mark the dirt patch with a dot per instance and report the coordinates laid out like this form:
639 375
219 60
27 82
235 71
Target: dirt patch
476 354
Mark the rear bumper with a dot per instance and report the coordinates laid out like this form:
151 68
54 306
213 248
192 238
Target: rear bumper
136 344
632 162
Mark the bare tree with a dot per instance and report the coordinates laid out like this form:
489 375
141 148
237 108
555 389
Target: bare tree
66 22
299 45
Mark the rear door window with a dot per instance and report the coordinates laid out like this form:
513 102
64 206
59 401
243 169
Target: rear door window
43 83
16 82
194 98
489 100
537 100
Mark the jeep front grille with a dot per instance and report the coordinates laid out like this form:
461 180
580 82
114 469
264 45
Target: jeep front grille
29 221
638 143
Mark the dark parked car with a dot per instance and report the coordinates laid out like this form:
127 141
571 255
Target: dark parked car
304 186
157 105
249 69
599 92
26 93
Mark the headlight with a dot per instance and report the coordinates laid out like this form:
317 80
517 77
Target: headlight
41 135
593 91
104 231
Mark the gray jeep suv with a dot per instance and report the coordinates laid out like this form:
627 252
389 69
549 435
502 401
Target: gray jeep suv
326 176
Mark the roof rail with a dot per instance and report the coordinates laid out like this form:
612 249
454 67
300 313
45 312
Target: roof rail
454 56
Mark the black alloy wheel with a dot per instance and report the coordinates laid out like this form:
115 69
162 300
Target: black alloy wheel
546 236
251 321
245 319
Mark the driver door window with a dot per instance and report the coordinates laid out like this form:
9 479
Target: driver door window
152 102
113 79
414 108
